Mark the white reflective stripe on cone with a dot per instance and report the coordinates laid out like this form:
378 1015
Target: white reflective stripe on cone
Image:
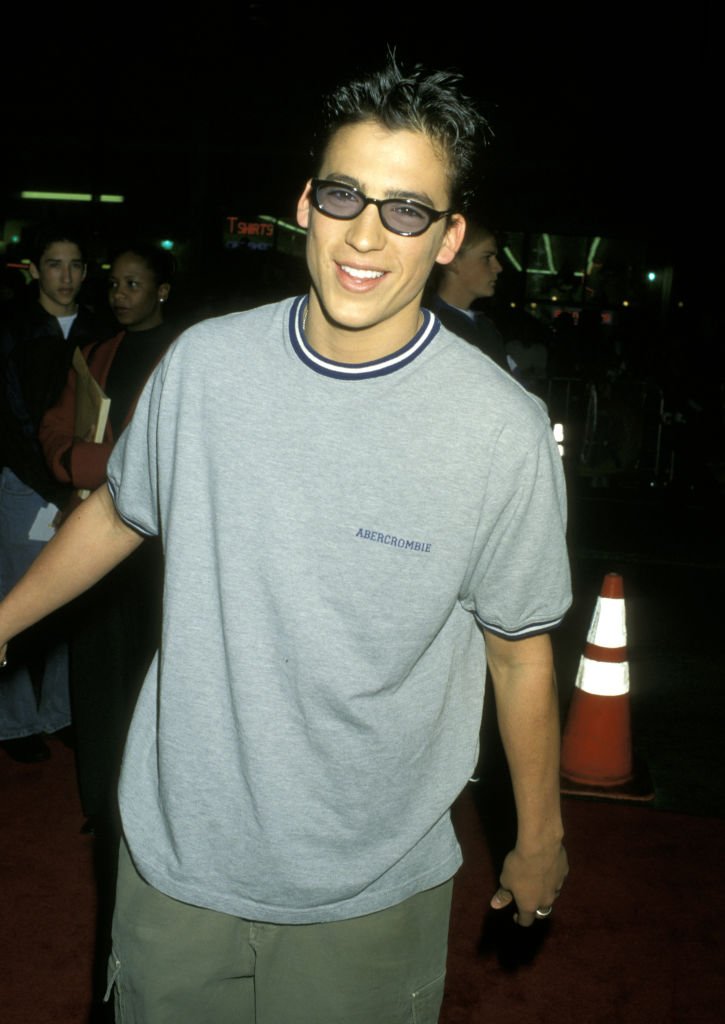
608 628
603 678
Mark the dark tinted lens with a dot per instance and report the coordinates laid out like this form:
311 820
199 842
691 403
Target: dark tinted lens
338 201
406 218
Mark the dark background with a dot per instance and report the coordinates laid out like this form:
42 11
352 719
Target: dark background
605 115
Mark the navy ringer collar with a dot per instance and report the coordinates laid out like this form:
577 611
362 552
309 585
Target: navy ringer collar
358 371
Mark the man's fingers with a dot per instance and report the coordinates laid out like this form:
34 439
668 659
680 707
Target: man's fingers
504 898
543 912
501 898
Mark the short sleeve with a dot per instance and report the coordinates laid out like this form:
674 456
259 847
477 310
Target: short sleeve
133 469
520 585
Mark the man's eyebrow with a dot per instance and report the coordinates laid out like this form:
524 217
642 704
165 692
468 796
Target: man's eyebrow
391 193
415 197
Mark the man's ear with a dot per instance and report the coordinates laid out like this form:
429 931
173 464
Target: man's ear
163 291
452 240
303 206
34 272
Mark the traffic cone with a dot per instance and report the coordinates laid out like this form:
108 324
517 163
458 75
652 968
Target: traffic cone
596 752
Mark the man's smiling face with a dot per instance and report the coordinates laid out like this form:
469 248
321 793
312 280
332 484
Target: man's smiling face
367 281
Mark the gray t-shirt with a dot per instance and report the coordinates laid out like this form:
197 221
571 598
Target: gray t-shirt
332 534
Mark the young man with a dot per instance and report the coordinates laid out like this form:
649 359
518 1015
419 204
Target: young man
60 270
338 532
36 348
470 276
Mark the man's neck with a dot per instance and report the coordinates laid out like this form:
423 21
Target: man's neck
352 345
56 308
454 295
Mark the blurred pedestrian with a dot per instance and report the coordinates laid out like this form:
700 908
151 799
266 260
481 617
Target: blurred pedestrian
472 275
37 340
116 624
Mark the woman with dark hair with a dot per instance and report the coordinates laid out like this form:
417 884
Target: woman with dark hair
139 285
118 620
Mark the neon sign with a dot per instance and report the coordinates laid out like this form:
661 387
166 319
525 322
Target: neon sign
248 234
235 226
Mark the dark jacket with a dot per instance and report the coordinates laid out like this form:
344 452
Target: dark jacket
480 331
34 363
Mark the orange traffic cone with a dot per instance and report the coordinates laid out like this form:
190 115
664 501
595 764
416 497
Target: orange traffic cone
596 753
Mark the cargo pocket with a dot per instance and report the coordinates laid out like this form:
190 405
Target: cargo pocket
112 973
426 1002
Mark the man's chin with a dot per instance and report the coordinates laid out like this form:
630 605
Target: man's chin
343 321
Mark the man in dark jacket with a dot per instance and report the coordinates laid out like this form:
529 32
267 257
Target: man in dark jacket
37 341
470 276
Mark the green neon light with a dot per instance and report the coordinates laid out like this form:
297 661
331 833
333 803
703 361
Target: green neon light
512 259
549 255
282 223
65 197
593 250
72 197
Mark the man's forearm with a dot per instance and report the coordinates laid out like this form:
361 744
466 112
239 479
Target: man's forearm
523 675
528 717
90 543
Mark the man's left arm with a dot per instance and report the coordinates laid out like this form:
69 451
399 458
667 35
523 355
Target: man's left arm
528 716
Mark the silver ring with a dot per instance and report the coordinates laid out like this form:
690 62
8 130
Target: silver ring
543 912
3 663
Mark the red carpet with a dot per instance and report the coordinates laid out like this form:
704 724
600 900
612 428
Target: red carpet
48 894
636 937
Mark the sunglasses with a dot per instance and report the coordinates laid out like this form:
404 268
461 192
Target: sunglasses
401 216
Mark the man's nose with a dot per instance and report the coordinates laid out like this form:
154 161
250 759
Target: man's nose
366 231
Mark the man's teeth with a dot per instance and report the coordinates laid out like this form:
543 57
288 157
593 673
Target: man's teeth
362 274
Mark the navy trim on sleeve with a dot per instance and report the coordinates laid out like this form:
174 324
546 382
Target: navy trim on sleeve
534 629
127 521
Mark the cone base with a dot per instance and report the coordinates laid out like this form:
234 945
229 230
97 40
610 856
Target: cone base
596 748
638 789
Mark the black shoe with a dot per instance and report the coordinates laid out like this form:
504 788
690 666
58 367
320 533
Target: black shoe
27 749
